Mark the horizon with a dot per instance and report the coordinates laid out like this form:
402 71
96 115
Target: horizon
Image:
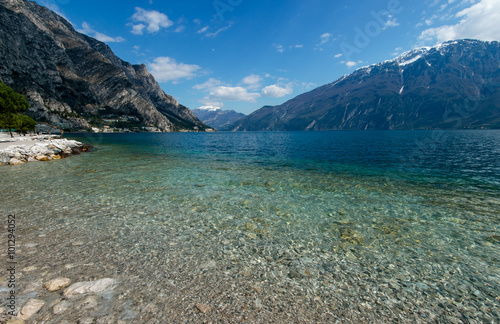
240 55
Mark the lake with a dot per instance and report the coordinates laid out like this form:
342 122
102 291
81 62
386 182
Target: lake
307 227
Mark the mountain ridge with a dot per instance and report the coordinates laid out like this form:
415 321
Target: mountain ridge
72 79
218 118
453 85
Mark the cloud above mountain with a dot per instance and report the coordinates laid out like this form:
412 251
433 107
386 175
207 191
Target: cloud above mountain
277 91
149 20
479 21
224 93
166 69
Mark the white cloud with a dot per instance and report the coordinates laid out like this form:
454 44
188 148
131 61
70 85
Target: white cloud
224 93
180 29
397 51
210 108
167 69
252 79
151 20
338 55
209 102
203 30
391 23
211 83
276 91
137 50
220 30
138 29
279 48
324 38
88 30
308 85
480 21
349 64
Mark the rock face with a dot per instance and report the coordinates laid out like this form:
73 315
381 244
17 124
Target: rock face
218 118
70 78
452 86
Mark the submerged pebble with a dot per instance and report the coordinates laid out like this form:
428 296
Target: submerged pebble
330 244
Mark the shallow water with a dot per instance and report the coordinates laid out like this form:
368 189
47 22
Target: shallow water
281 227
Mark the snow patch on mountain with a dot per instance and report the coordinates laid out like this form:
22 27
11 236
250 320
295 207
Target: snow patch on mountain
210 108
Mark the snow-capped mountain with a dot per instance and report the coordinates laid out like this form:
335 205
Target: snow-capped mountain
216 117
451 86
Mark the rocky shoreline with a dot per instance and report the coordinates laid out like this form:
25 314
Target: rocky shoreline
62 297
22 149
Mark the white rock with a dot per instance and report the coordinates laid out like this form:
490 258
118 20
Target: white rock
4 157
15 161
56 284
203 308
42 157
258 303
91 287
31 308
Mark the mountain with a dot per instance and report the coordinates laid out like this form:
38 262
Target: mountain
77 81
218 118
451 86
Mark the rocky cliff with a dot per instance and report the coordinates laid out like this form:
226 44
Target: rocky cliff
451 86
75 80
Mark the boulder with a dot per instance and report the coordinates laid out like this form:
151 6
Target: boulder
4 158
91 287
30 309
42 157
56 284
54 149
15 161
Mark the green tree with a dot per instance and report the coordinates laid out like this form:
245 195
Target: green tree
12 104
25 123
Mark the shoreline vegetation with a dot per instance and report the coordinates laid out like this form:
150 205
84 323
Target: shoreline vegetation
33 148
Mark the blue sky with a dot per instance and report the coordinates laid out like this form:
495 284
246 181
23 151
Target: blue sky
244 54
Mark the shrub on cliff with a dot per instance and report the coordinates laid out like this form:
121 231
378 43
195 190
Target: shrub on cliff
12 104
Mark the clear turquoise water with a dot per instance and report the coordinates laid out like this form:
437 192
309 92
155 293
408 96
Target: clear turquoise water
406 218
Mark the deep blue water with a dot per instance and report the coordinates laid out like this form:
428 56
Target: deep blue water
462 156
